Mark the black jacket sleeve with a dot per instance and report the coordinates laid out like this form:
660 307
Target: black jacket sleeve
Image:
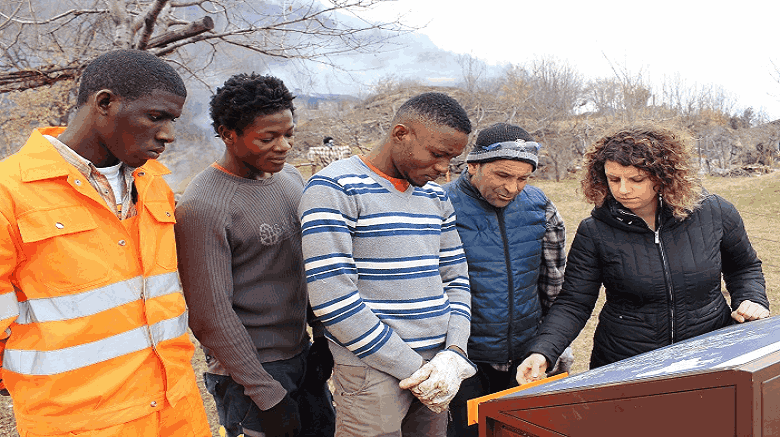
741 266
575 303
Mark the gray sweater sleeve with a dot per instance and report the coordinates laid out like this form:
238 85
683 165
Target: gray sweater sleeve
205 268
455 278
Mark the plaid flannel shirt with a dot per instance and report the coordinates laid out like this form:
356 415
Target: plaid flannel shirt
124 209
553 257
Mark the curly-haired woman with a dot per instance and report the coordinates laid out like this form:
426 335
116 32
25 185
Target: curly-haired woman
659 245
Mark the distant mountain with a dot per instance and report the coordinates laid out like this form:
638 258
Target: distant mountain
314 100
400 57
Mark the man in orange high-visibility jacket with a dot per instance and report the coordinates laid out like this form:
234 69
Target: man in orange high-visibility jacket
93 321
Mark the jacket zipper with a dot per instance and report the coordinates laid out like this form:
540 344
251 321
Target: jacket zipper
668 279
510 282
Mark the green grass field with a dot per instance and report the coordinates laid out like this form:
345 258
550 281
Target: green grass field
757 199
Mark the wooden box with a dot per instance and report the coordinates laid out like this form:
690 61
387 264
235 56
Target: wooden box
724 383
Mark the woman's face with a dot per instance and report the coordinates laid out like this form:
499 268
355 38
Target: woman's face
632 187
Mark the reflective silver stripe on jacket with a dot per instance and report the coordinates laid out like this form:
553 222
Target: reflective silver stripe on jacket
95 301
9 307
38 363
160 285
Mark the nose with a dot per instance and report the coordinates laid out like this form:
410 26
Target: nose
441 166
167 132
623 187
512 188
284 144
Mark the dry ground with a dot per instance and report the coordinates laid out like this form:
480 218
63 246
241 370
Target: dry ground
757 198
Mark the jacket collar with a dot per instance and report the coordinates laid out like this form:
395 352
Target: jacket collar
618 216
42 161
153 167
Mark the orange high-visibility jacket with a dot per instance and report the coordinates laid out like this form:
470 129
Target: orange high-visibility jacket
96 323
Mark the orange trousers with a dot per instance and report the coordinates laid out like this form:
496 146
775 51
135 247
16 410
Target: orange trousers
187 419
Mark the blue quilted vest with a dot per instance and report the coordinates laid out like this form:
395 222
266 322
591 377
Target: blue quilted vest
504 252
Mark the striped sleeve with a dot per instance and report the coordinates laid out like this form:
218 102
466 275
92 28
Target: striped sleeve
455 277
329 214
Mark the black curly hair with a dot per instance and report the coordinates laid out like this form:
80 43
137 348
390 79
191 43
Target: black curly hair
244 97
437 108
129 74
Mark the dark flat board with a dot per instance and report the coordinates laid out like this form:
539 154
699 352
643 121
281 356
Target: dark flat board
725 348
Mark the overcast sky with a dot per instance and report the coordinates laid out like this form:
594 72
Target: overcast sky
726 44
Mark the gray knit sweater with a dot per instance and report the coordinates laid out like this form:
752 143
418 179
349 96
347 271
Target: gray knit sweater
241 266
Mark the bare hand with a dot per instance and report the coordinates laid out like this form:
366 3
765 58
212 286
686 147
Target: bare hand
748 311
531 369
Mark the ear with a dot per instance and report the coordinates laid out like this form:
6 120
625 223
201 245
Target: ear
103 101
472 166
400 132
228 135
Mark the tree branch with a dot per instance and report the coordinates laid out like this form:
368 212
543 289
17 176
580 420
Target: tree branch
149 19
29 79
72 12
205 24
42 52
9 18
123 33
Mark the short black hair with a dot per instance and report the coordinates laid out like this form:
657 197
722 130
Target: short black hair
129 74
437 108
244 97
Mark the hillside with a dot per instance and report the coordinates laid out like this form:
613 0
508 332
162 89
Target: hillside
722 143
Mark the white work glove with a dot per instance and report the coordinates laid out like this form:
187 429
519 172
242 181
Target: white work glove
438 381
564 363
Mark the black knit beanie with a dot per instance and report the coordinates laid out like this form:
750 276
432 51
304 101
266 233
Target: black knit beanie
505 141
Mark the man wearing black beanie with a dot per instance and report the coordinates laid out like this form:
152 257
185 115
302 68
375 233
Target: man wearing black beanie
514 241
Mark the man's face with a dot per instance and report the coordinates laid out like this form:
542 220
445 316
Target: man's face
141 128
500 181
424 151
262 148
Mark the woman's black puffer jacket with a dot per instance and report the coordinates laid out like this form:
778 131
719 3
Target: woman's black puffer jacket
662 287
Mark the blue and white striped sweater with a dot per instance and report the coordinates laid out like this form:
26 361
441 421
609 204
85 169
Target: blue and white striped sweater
386 271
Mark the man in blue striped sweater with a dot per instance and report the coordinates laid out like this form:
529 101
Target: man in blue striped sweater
387 275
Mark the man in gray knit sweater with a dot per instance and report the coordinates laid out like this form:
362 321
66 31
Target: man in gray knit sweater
241 265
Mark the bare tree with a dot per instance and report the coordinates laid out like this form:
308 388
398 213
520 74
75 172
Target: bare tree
472 70
604 95
776 75
555 95
514 92
697 105
44 41
632 92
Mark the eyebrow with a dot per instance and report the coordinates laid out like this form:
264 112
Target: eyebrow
443 151
279 131
164 113
629 177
